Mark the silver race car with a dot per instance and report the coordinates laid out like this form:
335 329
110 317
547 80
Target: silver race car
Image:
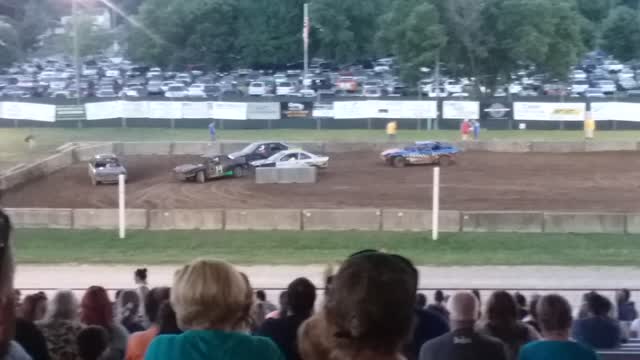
105 169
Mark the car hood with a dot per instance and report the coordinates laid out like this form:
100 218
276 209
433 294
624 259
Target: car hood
187 168
390 151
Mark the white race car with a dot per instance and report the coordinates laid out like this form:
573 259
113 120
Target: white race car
293 157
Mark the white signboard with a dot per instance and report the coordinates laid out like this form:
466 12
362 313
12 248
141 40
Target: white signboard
615 111
135 109
263 111
461 110
353 109
549 111
229 110
165 109
406 109
195 110
28 111
103 110
323 111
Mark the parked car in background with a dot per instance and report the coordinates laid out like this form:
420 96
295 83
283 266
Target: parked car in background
176 91
285 88
196 91
579 86
612 66
578 75
106 93
594 93
257 88
347 83
372 92
155 88
608 87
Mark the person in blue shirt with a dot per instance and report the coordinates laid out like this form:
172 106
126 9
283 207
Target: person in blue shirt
598 330
476 129
554 317
212 130
213 302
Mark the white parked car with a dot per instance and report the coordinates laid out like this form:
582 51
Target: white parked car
285 88
166 84
626 74
594 93
176 91
579 86
372 92
439 92
453 86
106 93
154 72
607 86
278 78
578 75
257 88
293 157
197 91
514 88
307 93
184 78
112 73
613 66
460 95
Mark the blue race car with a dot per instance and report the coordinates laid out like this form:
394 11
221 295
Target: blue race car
423 152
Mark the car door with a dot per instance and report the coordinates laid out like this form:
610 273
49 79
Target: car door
426 155
288 160
305 159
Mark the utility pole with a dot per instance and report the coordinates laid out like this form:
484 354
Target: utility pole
76 51
305 37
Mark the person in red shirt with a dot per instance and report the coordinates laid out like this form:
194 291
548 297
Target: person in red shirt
465 129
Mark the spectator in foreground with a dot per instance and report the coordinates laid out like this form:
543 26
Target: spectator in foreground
167 322
97 310
532 319
9 349
283 300
428 325
346 329
301 297
34 307
626 308
128 308
501 321
439 306
140 278
61 326
139 342
92 342
263 307
554 314
463 342
213 304
421 301
597 329
521 301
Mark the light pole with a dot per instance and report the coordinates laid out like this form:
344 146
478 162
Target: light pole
76 51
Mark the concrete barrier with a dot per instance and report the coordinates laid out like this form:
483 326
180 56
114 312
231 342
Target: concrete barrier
418 220
509 146
633 224
558 146
612 223
108 218
56 162
143 148
262 219
340 147
472 145
611 146
286 175
87 152
183 219
40 218
342 219
508 221
195 148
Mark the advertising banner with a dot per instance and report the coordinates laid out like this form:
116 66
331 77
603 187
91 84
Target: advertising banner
229 110
323 111
461 110
296 109
353 109
619 111
135 109
549 111
195 110
165 110
103 110
263 111
404 109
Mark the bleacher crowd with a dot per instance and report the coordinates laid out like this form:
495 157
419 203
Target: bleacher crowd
371 310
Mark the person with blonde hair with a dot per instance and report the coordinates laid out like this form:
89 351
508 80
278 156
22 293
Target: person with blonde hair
213 302
61 326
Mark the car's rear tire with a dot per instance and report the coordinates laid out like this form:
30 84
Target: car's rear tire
445 161
200 178
238 171
399 162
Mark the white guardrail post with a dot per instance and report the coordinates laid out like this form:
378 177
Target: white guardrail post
435 213
121 205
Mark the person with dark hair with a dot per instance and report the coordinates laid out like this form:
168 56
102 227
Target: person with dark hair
463 342
554 314
532 319
346 329
213 302
501 321
61 326
27 333
598 330
283 301
97 310
9 349
139 341
301 297
140 279
167 322
439 306
421 301
127 310
263 307
34 307
521 301
92 342
626 308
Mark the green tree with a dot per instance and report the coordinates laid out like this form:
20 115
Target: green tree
36 21
91 40
595 10
9 43
621 33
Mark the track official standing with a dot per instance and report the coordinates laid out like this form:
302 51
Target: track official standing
392 129
212 130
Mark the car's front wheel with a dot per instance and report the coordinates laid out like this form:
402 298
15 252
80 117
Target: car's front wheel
200 178
239 172
399 162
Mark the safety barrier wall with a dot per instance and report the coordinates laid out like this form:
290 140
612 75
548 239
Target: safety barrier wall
358 219
335 113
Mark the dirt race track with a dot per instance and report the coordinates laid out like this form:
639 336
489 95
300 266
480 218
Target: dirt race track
479 181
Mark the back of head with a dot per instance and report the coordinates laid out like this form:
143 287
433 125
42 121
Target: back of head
64 306
260 295
520 299
501 310
167 323
438 296
371 304
554 314
92 342
623 296
598 305
533 307
464 307
154 298
301 297
7 307
421 300
211 294
96 307
141 275
128 304
33 306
